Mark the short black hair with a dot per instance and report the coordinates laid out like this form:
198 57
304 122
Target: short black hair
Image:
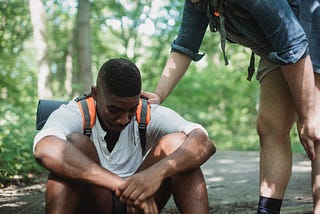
121 77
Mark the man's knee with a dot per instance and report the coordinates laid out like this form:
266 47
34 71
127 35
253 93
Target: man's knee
170 143
269 126
84 144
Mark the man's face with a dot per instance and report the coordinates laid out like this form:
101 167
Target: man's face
114 112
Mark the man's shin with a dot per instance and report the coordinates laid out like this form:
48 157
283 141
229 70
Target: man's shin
62 196
190 193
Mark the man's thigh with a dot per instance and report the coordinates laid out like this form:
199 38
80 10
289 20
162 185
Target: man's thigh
85 145
276 106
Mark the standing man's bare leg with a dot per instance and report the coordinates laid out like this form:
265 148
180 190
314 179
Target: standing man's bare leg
276 116
316 163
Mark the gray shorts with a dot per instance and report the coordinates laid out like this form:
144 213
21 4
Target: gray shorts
265 66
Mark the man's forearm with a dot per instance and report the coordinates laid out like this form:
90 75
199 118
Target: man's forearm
300 78
175 68
65 160
196 149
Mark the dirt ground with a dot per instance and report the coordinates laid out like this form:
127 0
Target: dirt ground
232 183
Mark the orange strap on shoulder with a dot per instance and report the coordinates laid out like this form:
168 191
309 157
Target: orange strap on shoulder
141 113
88 112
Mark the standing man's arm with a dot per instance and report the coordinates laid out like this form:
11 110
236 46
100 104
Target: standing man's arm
175 68
300 78
183 49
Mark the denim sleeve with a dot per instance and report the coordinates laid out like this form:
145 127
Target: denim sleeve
281 28
193 27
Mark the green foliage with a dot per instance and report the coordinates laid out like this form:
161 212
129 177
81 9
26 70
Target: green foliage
16 133
18 94
17 125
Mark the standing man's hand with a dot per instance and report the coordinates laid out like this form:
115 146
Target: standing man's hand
301 81
309 134
152 97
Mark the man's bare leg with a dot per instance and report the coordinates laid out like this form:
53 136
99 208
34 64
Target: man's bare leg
277 114
188 188
72 196
316 163
316 180
61 196
193 199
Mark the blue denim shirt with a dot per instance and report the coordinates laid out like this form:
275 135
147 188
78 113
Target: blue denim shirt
268 27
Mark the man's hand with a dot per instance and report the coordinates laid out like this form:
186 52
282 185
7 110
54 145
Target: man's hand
148 206
301 81
139 187
152 97
309 134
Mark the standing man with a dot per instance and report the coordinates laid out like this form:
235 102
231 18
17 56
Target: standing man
286 36
107 173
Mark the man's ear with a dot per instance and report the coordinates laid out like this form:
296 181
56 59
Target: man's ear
94 92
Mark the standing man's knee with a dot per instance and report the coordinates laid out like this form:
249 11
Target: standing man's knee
267 127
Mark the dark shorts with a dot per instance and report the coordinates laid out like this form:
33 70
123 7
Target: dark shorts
117 206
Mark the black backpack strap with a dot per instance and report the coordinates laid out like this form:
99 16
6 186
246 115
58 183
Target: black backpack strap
87 116
83 97
87 119
143 124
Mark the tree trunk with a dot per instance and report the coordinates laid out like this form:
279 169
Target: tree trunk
69 68
37 13
83 47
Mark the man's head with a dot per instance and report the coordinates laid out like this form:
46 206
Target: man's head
117 93
121 77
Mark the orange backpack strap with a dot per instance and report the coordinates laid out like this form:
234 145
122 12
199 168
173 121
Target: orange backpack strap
143 118
88 112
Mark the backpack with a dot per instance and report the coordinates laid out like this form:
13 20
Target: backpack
216 14
87 108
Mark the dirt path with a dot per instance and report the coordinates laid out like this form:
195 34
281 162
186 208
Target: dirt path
232 181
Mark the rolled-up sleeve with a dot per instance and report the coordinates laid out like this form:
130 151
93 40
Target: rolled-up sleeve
280 26
193 27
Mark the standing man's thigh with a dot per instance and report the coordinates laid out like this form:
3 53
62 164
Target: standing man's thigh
276 116
276 105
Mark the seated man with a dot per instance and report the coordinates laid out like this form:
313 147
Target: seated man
107 172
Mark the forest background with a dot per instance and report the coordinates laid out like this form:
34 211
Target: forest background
53 49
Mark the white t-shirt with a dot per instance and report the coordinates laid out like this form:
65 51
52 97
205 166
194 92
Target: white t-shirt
126 156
